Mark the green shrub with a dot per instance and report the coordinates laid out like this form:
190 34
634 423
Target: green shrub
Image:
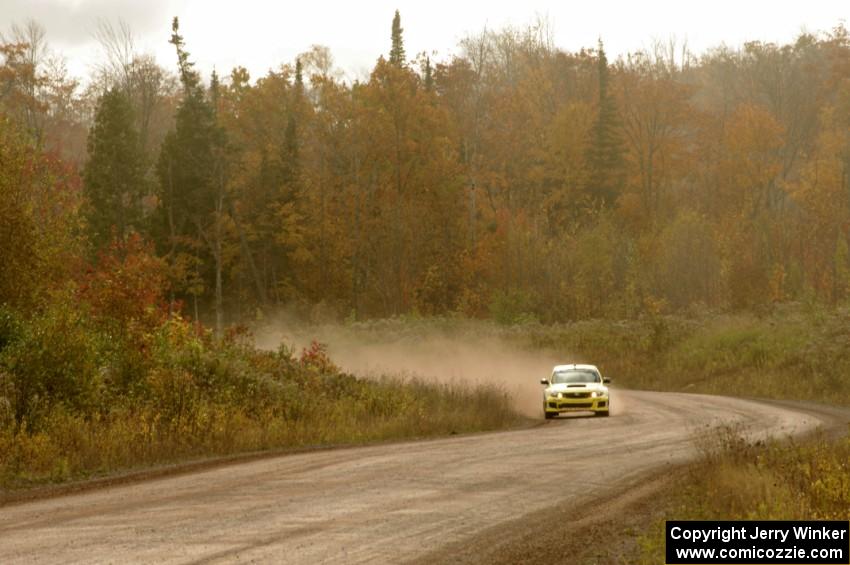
10 327
512 307
53 361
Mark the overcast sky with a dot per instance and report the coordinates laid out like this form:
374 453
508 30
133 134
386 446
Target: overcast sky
261 34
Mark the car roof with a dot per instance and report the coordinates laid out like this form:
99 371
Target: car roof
574 366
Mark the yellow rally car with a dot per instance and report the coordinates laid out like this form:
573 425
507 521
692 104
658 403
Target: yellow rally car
575 388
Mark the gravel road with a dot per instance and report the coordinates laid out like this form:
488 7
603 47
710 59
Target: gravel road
386 503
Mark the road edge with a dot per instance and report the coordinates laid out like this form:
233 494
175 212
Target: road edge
139 475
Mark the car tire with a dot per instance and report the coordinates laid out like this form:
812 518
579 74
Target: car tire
549 415
603 414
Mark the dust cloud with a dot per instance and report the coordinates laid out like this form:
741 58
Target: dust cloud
431 355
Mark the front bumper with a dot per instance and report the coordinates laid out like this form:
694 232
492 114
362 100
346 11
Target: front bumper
559 405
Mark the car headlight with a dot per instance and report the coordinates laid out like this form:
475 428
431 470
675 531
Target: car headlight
599 394
553 394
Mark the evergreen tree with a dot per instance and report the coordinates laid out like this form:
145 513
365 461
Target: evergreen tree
290 167
605 161
299 77
429 75
397 56
188 148
113 177
289 156
190 170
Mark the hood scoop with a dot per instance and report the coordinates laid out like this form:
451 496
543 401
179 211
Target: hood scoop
575 386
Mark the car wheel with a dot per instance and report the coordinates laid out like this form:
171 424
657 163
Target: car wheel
549 415
606 413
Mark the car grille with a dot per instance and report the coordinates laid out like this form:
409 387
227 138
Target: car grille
576 395
578 405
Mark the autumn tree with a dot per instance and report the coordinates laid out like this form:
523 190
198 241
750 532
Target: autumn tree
18 237
39 219
484 183
266 124
23 77
823 194
656 116
416 191
688 266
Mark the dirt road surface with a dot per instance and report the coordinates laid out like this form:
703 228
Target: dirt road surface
388 503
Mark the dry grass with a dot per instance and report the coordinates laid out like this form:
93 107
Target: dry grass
735 479
75 403
68 446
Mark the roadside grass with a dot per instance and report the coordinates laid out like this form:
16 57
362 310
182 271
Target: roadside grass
75 405
735 479
68 446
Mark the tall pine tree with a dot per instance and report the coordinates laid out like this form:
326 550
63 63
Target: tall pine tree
191 178
397 56
606 166
428 77
113 178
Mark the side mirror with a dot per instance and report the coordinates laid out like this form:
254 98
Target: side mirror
606 380
544 382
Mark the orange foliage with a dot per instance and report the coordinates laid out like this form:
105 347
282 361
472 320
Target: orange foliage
126 286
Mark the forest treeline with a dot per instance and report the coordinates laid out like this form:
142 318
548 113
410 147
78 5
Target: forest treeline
512 180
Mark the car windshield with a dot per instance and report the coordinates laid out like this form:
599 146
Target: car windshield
576 376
